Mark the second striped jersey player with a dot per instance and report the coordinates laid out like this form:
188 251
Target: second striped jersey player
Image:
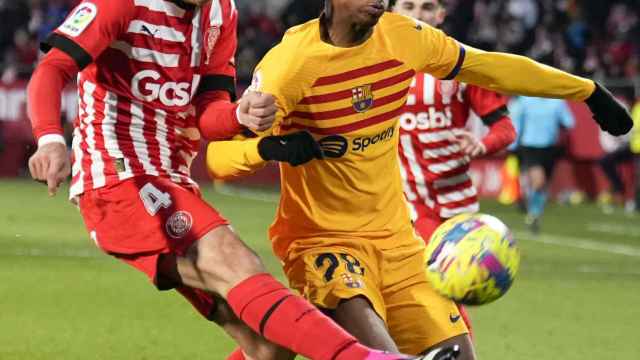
433 140
434 165
435 147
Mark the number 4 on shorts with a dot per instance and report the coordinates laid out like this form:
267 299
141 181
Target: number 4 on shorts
154 199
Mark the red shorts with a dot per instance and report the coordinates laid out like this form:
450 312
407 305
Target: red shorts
426 225
141 218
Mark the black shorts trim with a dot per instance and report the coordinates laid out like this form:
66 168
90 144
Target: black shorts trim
218 82
493 117
69 47
545 157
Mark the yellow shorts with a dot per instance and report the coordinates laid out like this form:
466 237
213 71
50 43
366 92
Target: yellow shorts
390 273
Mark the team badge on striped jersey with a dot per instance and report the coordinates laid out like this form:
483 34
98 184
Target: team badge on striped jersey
362 98
448 88
212 38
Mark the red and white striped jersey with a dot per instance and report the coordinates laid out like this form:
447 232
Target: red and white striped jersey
142 62
433 168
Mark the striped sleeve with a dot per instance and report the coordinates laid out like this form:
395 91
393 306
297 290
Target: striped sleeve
221 43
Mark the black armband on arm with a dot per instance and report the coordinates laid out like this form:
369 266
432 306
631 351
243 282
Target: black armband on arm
493 117
218 82
77 53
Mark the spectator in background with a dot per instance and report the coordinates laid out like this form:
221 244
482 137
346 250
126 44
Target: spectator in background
589 37
538 123
298 12
25 50
14 15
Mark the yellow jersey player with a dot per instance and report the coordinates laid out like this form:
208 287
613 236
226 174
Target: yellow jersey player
342 229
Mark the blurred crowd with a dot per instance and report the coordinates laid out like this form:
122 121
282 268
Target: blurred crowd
591 37
24 24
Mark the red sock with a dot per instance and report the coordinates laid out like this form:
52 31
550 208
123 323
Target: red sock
237 355
274 312
466 319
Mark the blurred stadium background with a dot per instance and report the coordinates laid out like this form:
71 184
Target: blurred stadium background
580 280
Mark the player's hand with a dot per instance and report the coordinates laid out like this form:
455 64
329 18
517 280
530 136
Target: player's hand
470 145
612 116
296 148
257 111
51 165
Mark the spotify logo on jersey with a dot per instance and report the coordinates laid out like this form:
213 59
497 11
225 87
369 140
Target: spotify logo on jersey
333 146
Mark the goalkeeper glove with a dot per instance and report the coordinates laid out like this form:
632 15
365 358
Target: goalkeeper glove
612 116
296 148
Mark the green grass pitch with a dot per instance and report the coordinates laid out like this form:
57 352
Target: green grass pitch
577 295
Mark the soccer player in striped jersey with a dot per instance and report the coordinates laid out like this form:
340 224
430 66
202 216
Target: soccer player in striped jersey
435 147
342 229
153 77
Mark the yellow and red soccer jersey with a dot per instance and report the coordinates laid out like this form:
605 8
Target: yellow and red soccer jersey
350 100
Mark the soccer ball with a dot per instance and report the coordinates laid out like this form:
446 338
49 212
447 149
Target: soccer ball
472 259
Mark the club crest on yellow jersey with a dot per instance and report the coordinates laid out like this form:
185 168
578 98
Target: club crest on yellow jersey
362 98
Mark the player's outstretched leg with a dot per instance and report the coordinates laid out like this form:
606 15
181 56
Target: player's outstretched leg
221 263
357 316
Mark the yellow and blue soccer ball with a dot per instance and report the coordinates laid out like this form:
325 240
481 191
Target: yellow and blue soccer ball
472 259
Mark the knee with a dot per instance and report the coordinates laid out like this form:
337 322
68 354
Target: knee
222 256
